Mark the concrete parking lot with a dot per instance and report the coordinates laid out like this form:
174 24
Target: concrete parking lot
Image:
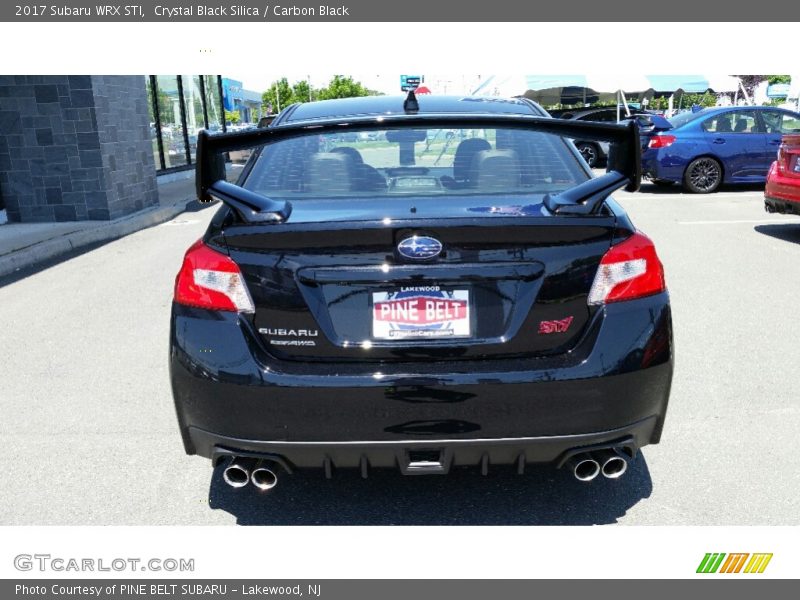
89 431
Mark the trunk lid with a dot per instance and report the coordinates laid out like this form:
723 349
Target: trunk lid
509 281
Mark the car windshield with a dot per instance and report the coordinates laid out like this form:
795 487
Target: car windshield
685 117
424 162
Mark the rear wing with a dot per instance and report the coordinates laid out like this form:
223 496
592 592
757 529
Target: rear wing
623 169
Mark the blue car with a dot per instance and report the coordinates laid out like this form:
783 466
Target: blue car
713 146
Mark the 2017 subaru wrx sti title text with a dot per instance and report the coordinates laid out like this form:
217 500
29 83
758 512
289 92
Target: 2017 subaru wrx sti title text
419 284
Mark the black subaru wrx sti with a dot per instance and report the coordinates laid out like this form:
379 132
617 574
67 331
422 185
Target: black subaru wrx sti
420 284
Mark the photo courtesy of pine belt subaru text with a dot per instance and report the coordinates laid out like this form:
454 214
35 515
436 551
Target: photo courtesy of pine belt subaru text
419 284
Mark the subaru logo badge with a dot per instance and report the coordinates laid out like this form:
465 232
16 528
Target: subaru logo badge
419 247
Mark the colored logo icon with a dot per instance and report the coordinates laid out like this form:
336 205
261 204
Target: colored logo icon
741 562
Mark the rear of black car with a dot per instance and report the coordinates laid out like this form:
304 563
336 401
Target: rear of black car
420 303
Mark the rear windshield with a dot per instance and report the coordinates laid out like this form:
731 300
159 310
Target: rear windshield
423 162
685 117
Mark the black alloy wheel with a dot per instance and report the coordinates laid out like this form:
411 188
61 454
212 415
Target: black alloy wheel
703 175
590 153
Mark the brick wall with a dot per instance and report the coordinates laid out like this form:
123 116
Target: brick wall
75 147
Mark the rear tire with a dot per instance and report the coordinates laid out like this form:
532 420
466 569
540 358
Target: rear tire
590 153
702 176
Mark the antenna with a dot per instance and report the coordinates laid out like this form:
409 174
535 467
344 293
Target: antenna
411 105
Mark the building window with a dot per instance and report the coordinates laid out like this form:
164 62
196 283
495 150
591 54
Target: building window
179 107
172 131
152 110
213 103
195 117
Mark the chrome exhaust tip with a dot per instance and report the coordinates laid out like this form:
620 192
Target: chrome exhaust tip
237 473
612 463
584 467
263 477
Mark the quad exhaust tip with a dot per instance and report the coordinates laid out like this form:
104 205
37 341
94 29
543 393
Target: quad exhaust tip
612 464
584 467
237 473
263 477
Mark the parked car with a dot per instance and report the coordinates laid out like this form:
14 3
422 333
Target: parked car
713 146
594 152
373 307
782 193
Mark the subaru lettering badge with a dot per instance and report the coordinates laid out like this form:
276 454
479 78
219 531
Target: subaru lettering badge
420 247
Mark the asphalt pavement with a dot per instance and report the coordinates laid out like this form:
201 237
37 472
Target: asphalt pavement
90 437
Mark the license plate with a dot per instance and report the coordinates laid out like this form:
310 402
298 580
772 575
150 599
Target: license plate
423 312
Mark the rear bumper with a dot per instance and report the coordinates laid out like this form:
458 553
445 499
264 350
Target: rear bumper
658 165
444 453
613 386
779 205
666 164
782 192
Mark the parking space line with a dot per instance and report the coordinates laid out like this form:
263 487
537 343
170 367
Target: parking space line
733 222
739 196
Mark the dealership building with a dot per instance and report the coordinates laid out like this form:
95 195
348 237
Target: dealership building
89 147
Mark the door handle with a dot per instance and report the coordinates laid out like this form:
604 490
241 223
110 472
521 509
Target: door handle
719 140
774 142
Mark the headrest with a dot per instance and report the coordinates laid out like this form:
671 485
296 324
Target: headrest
463 158
496 169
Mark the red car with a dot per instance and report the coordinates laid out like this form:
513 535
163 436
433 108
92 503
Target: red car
782 193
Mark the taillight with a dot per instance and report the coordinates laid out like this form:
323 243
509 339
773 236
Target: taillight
661 141
210 279
788 159
629 270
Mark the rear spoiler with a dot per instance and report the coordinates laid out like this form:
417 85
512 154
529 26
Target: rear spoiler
624 161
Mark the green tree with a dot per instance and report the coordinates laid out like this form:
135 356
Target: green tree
779 79
278 96
343 87
281 94
659 103
689 100
166 110
233 117
301 91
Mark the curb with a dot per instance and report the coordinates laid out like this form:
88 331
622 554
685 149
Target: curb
41 252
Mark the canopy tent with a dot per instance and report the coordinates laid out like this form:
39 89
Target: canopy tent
694 84
577 89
